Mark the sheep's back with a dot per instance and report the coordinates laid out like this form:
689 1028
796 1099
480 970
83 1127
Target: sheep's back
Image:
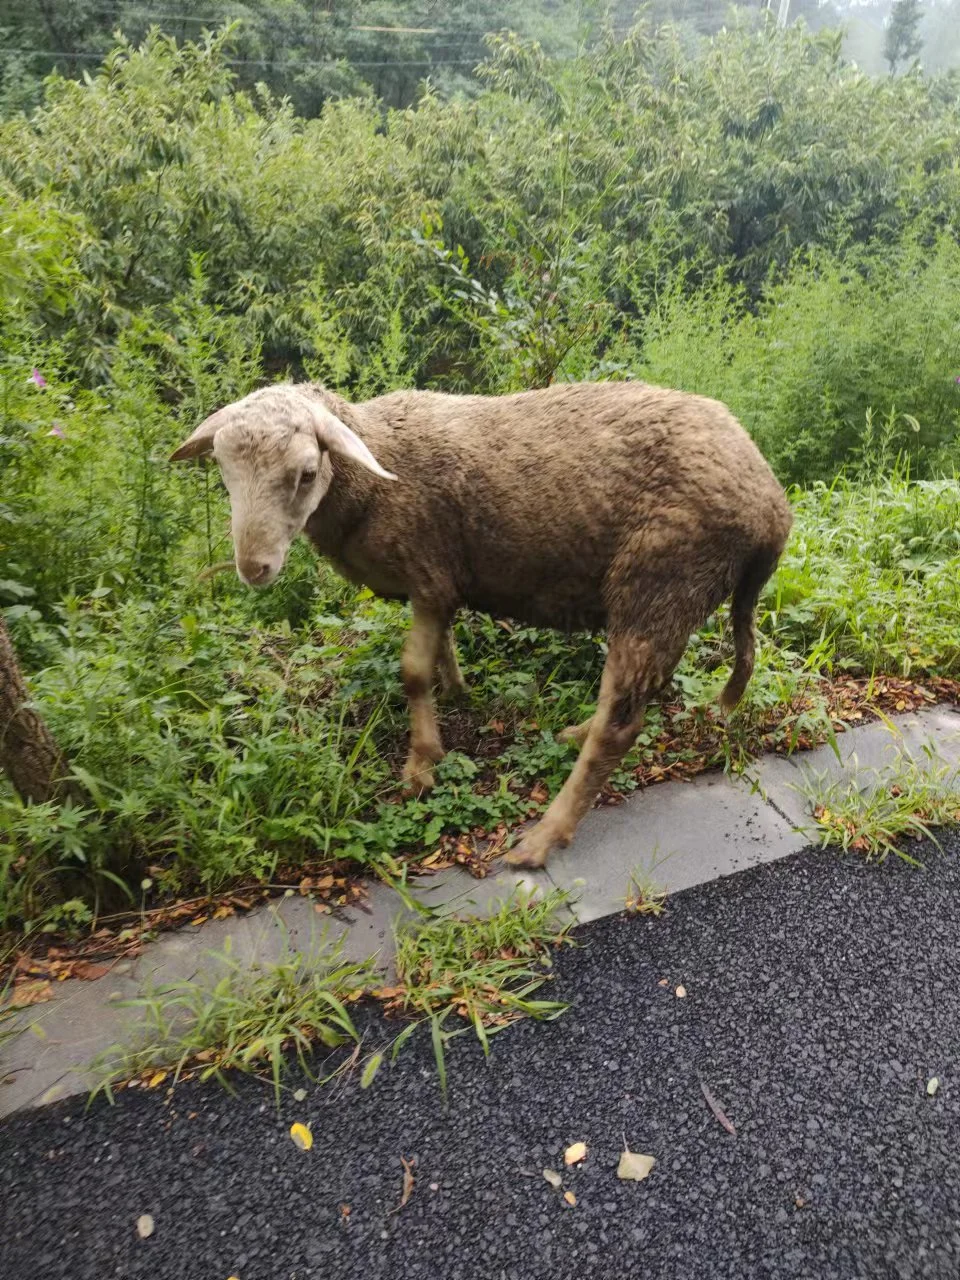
527 500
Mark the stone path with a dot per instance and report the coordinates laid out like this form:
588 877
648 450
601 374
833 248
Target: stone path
673 836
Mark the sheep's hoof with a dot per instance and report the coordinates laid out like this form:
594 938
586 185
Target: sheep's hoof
535 847
418 776
455 691
575 732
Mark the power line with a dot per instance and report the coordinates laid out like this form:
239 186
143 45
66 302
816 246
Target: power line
260 62
211 19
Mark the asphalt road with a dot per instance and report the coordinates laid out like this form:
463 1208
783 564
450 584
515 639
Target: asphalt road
822 994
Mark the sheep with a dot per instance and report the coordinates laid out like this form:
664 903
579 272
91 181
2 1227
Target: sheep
580 506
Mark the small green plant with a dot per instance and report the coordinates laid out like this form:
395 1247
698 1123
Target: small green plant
645 897
482 969
251 1020
874 812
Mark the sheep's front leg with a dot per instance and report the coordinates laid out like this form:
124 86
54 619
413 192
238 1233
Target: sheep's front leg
452 683
420 656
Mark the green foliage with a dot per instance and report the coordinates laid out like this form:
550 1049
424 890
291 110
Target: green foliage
834 348
878 811
249 1019
748 217
482 969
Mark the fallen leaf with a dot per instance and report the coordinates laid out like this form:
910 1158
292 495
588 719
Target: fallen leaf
664 982
932 1086
299 1095
634 1167
144 1226
575 1153
344 1211
570 1198
553 1178
301 1136
715 1108
323 882
408 1167
222 912
156 1079
36 992
89 972
681 993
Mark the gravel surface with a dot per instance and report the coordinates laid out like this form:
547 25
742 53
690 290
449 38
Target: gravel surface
822 994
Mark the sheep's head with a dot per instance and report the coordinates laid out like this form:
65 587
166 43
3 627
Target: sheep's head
272 448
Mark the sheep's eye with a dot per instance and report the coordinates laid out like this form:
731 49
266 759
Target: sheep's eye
307 478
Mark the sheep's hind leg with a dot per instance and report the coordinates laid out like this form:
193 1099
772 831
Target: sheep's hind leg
630 675
421 654
452 683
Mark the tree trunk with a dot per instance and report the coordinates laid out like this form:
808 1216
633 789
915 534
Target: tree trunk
28 754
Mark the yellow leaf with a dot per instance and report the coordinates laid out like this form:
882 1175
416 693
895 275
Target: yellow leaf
570 1197
156 1079
575 1153
301 1136
634 1167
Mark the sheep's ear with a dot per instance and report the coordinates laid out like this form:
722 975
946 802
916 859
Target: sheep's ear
200 443
336 436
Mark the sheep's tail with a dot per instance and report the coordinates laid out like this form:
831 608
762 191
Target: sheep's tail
745 596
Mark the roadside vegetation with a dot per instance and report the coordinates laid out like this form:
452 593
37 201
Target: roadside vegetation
746 216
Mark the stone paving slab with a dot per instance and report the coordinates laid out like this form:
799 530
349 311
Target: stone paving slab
867 754
673 836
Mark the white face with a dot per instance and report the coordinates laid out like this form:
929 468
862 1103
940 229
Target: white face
275 481
273 448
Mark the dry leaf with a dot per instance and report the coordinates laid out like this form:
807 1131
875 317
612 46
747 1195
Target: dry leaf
634 1167
144 1226
664 982
681 993
575 1153
26 993
570 1198
408 1167
89 972
301 1136
344 1211
156 1079
932 1086
715 1108
222 912
299 1095
553 1178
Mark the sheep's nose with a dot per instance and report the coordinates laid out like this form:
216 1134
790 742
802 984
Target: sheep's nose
255 572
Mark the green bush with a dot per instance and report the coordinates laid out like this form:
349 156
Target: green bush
834 345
